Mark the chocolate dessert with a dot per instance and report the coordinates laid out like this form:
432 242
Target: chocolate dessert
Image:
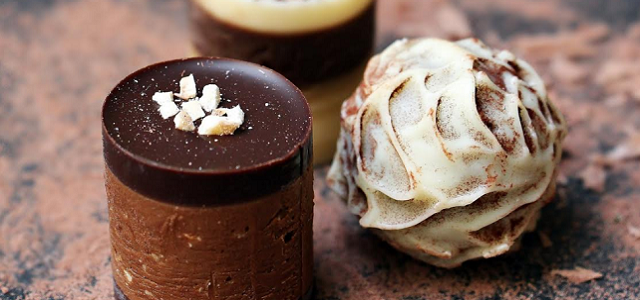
322 46
204 214
448 150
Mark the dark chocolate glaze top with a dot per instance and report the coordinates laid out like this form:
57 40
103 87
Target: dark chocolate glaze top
149 155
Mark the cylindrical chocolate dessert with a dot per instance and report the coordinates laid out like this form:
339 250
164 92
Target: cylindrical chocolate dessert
196 216
320 45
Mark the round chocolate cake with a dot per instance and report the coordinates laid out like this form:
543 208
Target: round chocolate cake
196 215
320 45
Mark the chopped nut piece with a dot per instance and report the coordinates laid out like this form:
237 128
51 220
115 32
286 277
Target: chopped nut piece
168 110
216 125
594 177
222 125
222 121
234 113
162 97
194 109
634 231
210 97
187 88
183 122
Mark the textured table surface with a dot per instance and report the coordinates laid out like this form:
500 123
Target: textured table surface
59 59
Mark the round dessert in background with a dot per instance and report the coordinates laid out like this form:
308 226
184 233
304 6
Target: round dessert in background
320 45
199 213
448 150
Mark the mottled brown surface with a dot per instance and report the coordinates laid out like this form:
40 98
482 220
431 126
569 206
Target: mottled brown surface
59 59
255 250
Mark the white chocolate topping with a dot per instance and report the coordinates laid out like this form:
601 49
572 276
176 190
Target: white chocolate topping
284 17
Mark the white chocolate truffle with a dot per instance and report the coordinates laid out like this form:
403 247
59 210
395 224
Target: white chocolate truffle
448 149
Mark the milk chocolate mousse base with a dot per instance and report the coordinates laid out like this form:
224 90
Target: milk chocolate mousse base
253 250
304 57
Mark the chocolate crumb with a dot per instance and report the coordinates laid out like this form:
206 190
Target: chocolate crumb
634 231
577 275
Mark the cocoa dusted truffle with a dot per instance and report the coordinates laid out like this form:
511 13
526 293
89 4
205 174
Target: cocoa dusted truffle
209 216
448 150
320 45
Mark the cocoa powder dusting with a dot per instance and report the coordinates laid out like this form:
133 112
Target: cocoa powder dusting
59 59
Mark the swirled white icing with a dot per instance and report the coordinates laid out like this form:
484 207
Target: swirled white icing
449 149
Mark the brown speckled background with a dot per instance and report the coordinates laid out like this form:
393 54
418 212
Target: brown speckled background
59 59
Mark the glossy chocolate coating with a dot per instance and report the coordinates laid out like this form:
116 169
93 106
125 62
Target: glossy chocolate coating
153 158
304 58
